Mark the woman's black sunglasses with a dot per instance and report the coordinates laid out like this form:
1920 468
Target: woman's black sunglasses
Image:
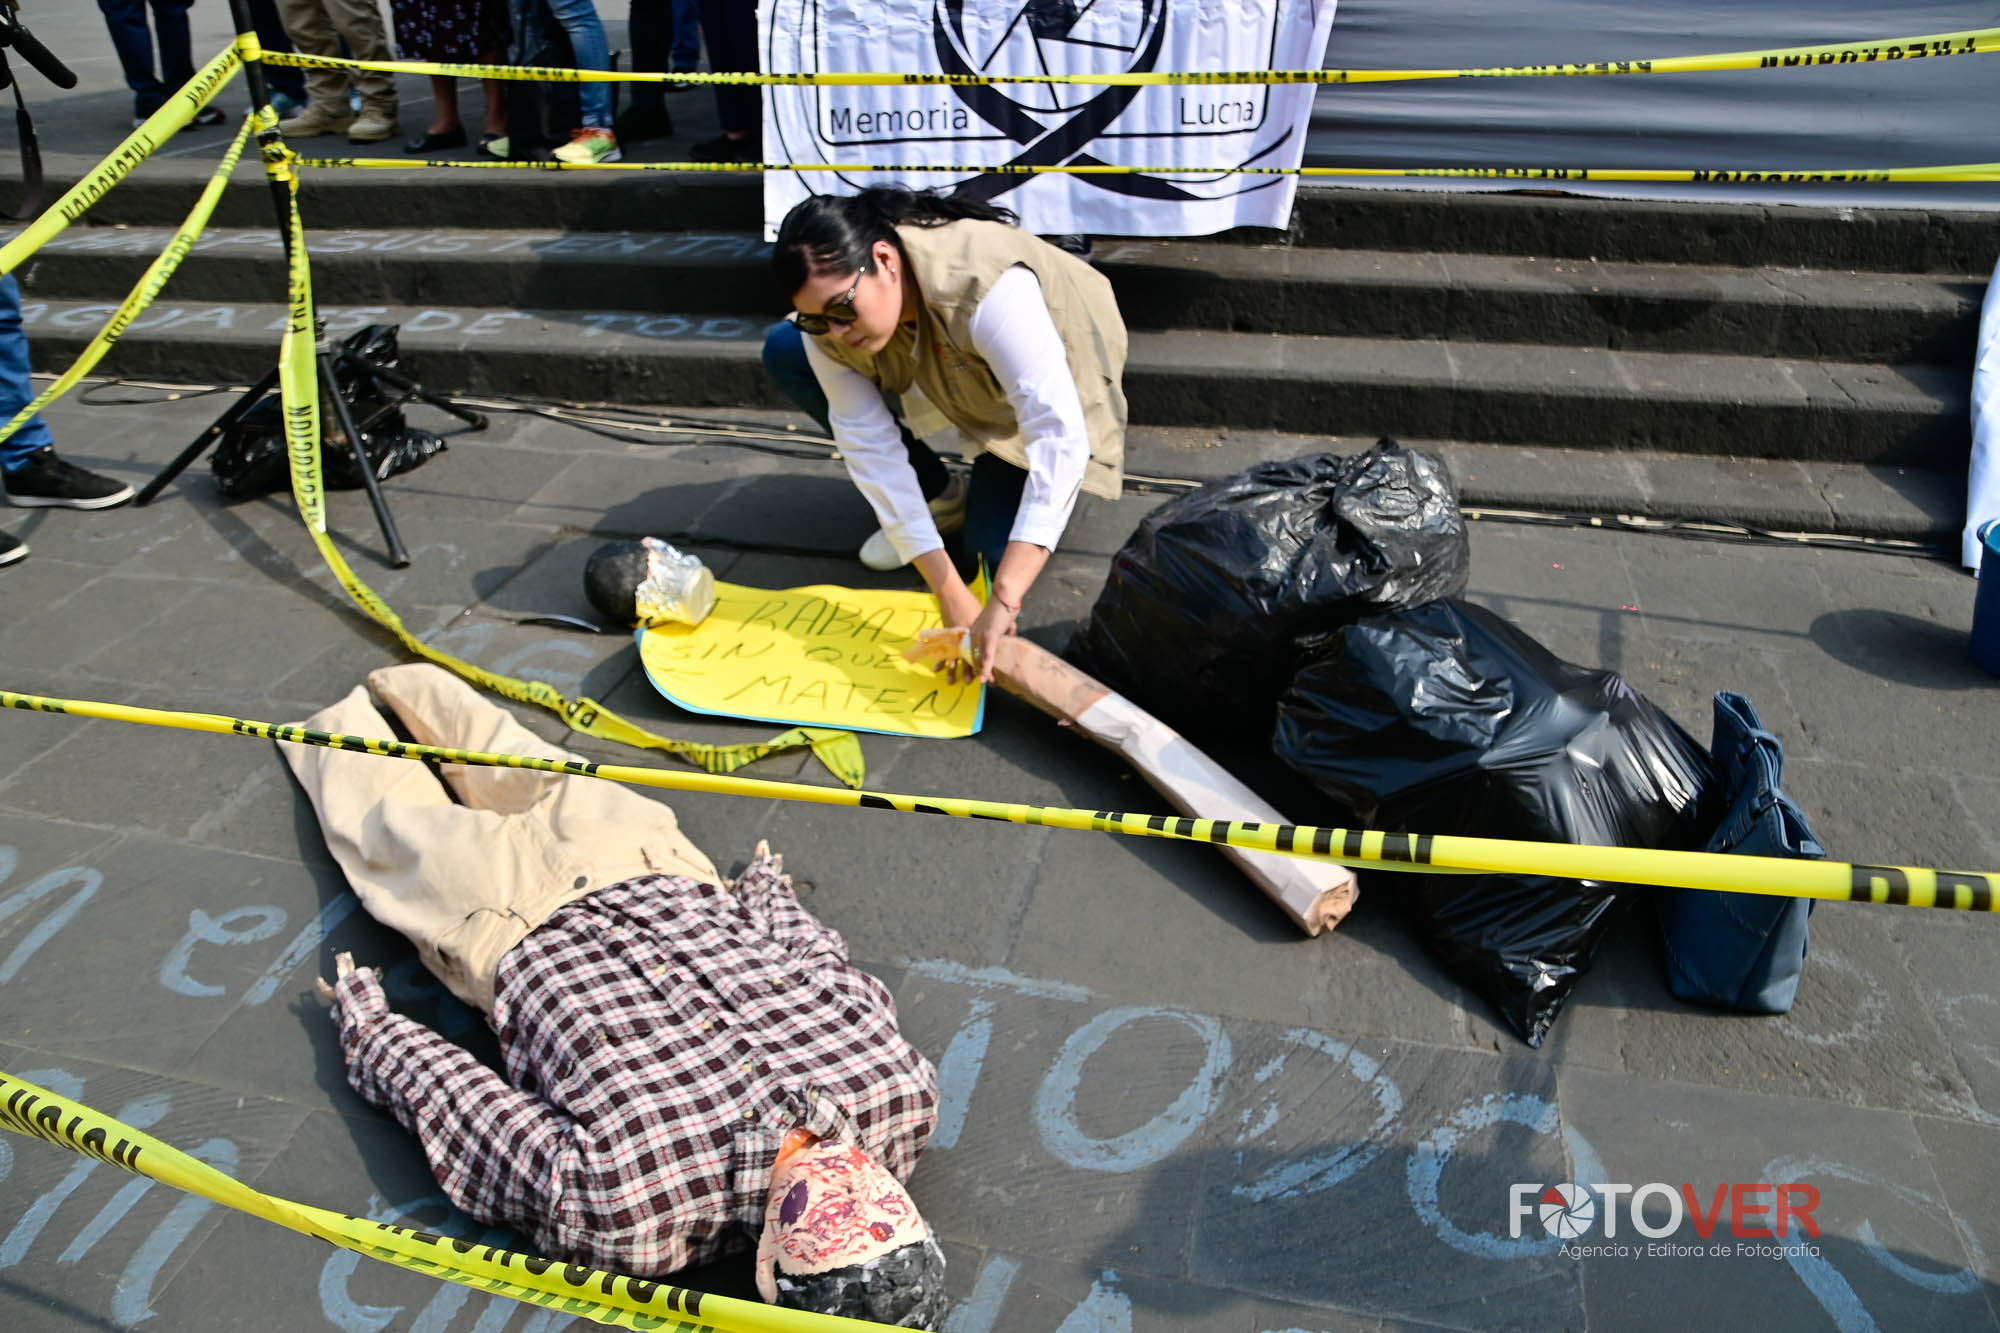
836 312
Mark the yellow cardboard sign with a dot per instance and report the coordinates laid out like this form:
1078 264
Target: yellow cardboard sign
820 656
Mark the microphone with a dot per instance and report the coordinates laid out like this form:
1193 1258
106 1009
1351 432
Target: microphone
14 35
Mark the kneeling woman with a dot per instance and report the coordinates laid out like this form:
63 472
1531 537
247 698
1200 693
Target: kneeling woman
1016 343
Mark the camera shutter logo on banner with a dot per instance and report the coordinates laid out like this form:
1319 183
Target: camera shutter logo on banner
1016 125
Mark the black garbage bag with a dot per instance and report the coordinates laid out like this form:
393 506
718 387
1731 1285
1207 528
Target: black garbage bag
1446 719
250 458
1212 603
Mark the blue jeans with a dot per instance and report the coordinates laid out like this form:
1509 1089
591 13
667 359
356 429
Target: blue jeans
993 494
271 35
666 37
592 51
134 43
17 390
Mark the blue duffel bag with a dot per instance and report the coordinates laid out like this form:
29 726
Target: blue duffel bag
1742 951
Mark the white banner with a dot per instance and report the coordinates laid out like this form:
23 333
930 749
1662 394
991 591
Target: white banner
1170 125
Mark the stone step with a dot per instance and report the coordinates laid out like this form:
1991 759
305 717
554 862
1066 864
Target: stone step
1808 314
1947 241
1565 397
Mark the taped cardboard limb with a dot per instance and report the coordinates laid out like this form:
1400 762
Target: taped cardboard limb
1314 894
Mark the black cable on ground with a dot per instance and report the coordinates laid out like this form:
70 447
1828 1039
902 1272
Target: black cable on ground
633 425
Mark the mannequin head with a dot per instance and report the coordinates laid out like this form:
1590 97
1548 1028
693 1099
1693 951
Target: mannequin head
842 1236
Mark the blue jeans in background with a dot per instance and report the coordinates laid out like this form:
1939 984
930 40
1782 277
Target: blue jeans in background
592 51
665 36
17 390
271 35
134 43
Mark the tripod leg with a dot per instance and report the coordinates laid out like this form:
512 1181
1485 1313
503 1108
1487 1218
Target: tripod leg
241 408
330 392
402 383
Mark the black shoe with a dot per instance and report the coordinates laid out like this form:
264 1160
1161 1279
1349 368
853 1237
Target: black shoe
645 120
722 148
436 141
207 116
47 480
12 548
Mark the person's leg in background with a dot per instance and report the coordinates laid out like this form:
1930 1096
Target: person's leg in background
286 83
649 24
16 392
326 110
170 30
593 141
360 22
17 387
686 53
34 476
730 29
133 42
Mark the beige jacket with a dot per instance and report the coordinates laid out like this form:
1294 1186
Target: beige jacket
466 881
955 266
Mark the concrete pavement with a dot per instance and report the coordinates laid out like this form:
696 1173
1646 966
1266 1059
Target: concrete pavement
1164 1110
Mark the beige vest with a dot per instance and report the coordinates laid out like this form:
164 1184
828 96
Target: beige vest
955 266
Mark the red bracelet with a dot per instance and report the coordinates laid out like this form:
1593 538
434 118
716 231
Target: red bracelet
1013 608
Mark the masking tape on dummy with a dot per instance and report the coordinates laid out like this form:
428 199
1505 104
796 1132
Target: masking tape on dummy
298 381
155 132
1971 171
573 1289
1972 41
1905 886
143 292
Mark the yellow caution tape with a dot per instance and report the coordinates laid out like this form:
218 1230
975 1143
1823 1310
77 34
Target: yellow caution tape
573 1289
1972 41
1973 171
298 380
154 133
142 292
1906 886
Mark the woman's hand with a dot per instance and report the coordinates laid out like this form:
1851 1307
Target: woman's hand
959 609
995 621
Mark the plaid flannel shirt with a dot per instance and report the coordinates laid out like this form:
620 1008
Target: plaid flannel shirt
660 1037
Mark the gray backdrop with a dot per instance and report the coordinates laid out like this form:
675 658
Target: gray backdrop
1911 113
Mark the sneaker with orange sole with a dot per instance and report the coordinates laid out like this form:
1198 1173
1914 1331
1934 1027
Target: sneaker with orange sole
588 147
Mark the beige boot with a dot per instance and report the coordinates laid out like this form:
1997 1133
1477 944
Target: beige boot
316 119
372 126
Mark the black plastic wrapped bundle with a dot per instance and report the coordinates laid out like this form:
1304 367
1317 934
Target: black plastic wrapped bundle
1445 719
1213 602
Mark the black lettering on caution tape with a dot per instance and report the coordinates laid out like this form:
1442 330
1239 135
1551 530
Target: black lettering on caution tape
1894 882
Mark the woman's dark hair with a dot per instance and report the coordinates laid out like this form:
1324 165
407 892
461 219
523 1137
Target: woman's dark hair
834 233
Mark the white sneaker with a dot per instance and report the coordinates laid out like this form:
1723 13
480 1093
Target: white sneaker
879 553
947 511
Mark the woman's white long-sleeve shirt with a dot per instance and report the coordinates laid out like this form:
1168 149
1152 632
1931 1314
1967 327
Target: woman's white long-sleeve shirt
1013 334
